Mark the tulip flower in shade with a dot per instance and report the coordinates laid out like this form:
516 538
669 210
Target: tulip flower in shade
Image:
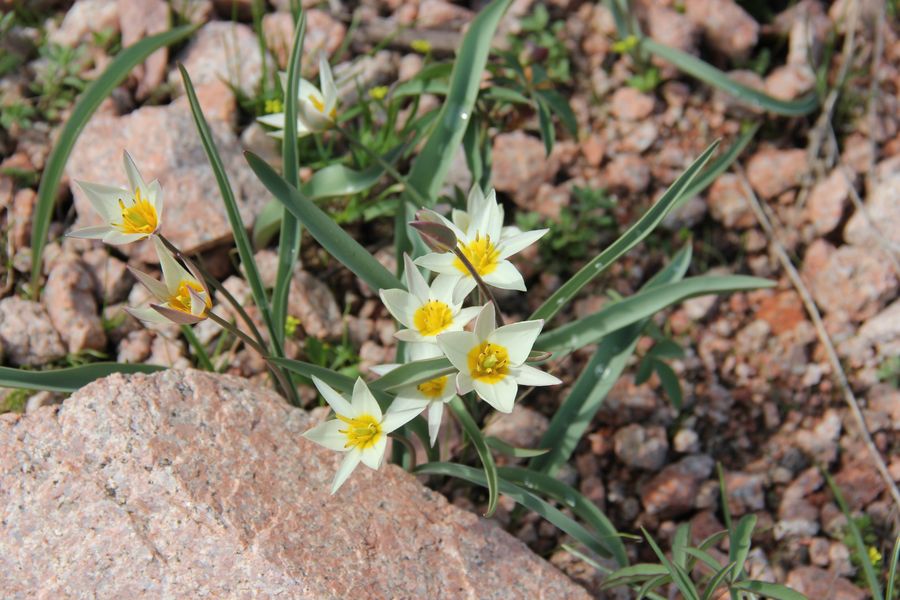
316 108
432 394
491 359
360 429
129 215
182 296
485 243
424 310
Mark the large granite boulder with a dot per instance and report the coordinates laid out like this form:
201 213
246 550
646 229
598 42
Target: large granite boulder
186 485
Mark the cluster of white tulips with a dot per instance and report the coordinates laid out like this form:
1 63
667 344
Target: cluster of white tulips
489 360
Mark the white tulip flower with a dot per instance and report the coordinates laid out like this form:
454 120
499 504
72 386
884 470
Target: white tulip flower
128 215
424 310
360 429
485 243
316 108
491 359
183 297
412 400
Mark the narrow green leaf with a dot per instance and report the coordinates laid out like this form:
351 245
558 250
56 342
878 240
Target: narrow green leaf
69 379
413 373
560 107
606 534
716 580
481 447
739 546
666 349
289 240
341 383
519 495
575 414
339 180
634 574
765 589
651 584
628 240
199 350
720 164
87 103
892 572
670 383
680 543
593 328
548 133
681 579
334 239
510 450
707 73
241 239
723 495
859 544
267 224
704 557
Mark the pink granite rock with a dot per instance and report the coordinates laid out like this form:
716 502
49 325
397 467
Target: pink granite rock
185 484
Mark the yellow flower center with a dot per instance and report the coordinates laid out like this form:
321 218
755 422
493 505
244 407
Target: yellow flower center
432 318
433 388
320 106
488 362
140 217
181 300
483 255
362 431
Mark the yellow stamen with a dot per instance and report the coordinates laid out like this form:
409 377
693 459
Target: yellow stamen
363 432
482 253
140 217
181 300
433 388
488 362
432 318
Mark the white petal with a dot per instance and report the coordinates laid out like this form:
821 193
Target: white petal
90 233
456 346
105 199
306 88
465 316
464 383
435 412
328 434
382 370
416 284
272 120
364 402
311 117
409 335
500 395
371 457
198 302
528 375
326 80
173 272
460 218
157 288
424 351
517 338
439 262
146 314
486 321
117 238
442 289
519 242
401 304
464 286
134 176
402 411
338 403
406 402
475 201
156 199
347 465
506 277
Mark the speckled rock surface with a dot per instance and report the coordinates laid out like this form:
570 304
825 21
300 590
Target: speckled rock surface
26 334
184 484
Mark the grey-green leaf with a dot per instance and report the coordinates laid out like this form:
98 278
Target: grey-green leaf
69 379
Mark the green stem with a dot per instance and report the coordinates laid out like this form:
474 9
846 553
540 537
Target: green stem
410 449
199 350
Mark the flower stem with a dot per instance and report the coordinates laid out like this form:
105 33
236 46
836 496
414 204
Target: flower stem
482 286
410 449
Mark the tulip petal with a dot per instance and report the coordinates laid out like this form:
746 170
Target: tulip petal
501 395
409 335
272 120
349 463
519 242
416 284
439 262
90 233
465 316
134 176
364 402
104 199
456 346
401 304
328 434
372 457
528 375
402 411
117 238
178 317
326 81
506 277
464 383
173 272
155 287
435 413
382 370
517 338
148 315
486 322
338 403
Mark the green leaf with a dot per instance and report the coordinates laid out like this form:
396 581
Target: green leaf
860 549
679 543
670 383
716 580
560 107
704 557
548 133
87 103
334 239
518 494
510 450
339 180
768 590
267 224
651 584
577 411
430 168
739 546
593 328
681 579
628 240
481 447
666 349
341 383
413 373
634 574
70 379
289 240
719 165
241 239
606 535
707 73
892 572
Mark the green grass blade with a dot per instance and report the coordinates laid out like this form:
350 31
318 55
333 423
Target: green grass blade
860 549
413 373
739 546
707 73
289 240
69 379
341 383
719 165
628 240
704 557
681 579
513 451
481 447
592 329
765 589
339 180
87 103
634 574
609 361
716 580
892 572
680 543
606 534
197 345
328 233
519 495
267 224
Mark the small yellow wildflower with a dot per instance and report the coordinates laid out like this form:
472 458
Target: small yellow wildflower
274 105
626 45
421 46
291 324
379 92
